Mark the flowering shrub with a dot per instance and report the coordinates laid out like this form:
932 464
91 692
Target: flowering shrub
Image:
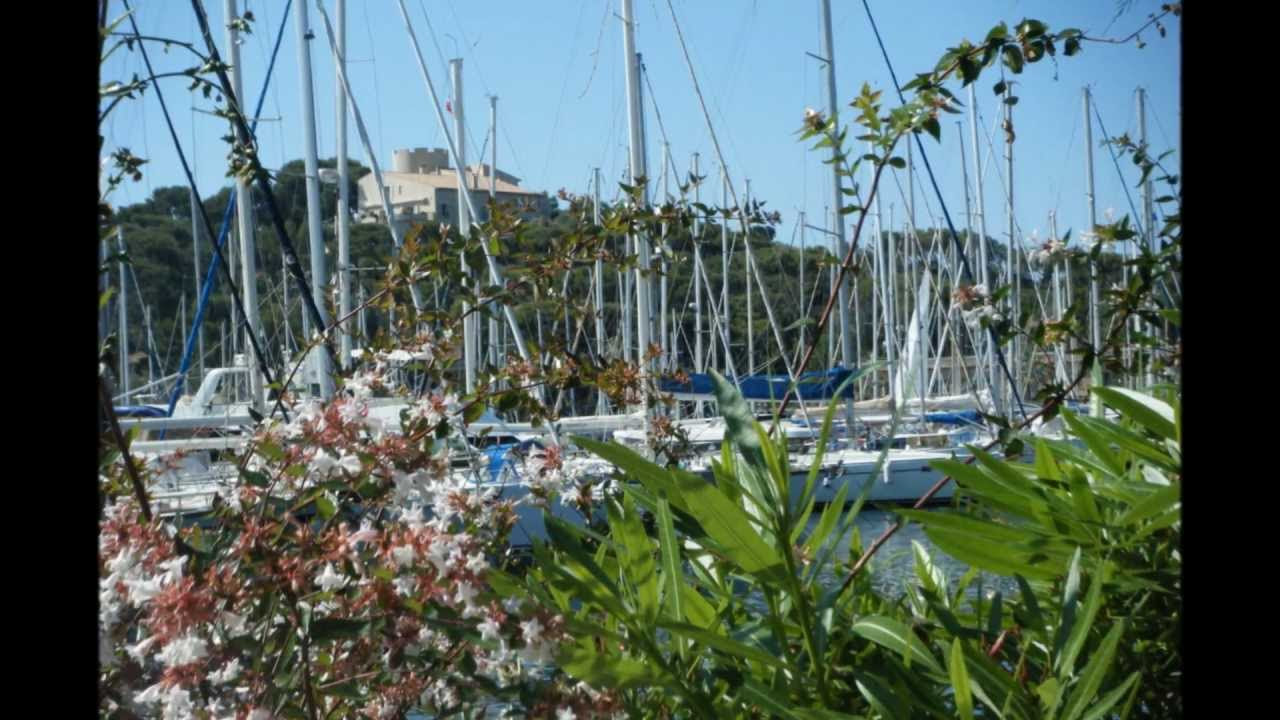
347 573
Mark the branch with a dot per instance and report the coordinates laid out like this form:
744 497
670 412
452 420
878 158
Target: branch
1112 337
139 491
844 267
1154 19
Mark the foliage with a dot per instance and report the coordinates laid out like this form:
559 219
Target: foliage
361 568
717 606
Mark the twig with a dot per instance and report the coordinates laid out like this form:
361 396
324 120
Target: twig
1053 402
844 267
138 490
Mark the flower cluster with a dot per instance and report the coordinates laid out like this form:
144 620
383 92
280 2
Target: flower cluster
347 574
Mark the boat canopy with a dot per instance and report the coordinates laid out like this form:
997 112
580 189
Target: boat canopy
816 385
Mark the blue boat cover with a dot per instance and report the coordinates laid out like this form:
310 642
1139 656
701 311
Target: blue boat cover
816 385
143 411
962 417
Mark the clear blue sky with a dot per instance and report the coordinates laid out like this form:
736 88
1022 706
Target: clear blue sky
557 70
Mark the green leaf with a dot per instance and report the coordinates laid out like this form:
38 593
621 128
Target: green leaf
1159 502
325 506
1094 673
881 696
739 422
960 681
727 645
729 526
897 162
654 478
1080 633
895 636
1095 442
1100 708
326 629
1013 58
931 576
635 555
672 572
933 128
999 87
581 660
1152 414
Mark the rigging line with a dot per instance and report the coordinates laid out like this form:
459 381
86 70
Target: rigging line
564 86
1066 158
469 46
173 133
946 214
754 269
470 135
595 62
1156 116
662 130
373 62
1128 197
1106 140
275 89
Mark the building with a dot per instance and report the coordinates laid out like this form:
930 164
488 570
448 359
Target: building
422 187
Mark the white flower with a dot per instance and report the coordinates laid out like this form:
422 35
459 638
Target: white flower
531 631
330 580
259 714
177 705
403 555
233 623
351 464
405 585
323 463
489 630
438 555
229 672
150 695
565 713
141 591
172 569
466 593
477 563
122 562
183 651
139 651
511 605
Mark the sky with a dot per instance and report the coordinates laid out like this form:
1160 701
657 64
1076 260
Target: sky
557 69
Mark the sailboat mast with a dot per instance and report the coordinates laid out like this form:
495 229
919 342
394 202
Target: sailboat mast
343 225
244 220
837 188
122 306
635 119
601 403
1148 219
319 359
195 255
985 343
724 265
1014 270
464 226
663 302
746 242
1095 321
698 365
804 315
495 356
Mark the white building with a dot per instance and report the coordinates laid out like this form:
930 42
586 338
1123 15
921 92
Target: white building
423 187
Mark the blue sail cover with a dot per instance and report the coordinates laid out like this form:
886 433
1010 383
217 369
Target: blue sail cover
816 385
